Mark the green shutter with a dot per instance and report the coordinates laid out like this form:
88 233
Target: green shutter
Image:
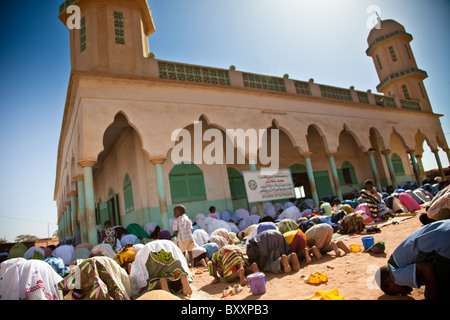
323 184
187 183
236 182
398 165
128 194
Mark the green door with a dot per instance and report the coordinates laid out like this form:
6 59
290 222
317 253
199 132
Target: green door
323 184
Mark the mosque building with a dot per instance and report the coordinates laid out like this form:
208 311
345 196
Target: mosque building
115 155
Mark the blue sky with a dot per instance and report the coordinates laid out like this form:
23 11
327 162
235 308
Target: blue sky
320 39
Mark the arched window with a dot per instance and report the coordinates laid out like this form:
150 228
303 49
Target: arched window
347 174
128 194
398 165
237 186
187 183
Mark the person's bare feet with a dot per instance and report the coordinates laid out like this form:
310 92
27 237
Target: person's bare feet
307 256
216 280
336 250
316 252
342 246
284 262
187 290
163 284
254 267
294 262
242 279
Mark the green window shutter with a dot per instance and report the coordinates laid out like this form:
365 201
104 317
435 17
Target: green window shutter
236 182
341 177
398 165
128 194
187 183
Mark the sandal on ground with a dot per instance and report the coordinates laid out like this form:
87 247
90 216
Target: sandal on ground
313 279
227 291
322 276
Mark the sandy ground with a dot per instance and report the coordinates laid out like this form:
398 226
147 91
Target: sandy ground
351 274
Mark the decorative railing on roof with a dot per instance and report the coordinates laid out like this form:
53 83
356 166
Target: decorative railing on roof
401 74
264 82
386 37
198 74
190 73
302 87
336 93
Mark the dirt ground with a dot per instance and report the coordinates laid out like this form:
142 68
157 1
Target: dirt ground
352 274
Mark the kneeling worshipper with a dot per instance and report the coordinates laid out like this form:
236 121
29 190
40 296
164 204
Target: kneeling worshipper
96 278
423 258
319 237
125 257
160 264
371 197
64 252
271 252
29 280
231 264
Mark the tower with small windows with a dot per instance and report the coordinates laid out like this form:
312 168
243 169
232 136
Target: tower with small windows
112 36
389 47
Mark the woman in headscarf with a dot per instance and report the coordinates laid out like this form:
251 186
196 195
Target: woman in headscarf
30 280
64 252
96 278
58 265
160 264
34 253
17 251
125 257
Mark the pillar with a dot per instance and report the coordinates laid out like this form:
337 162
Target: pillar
337 185
447 151
159 173
252 165
438 161
88 166
67 218
374 169
420 166
82 208
415 167
73 212
390 167
312 181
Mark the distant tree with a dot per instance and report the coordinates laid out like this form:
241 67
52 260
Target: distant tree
3 240
26 238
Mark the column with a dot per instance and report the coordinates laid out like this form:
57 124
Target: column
420 166
393 178
415 167
438 161
73 212
337 185
374 169
447 151
67 215
312 181
252 165
87 166
159 173
82 208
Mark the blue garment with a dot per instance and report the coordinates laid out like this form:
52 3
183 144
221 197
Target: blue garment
210 247
431 238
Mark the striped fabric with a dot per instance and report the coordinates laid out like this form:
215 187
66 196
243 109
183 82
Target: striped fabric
226 260
372 201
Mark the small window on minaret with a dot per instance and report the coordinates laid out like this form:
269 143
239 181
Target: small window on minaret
421 90
83 34
407 52
405 92
392 52
379 62
119 28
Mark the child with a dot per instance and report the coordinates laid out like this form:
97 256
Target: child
182 227
230 263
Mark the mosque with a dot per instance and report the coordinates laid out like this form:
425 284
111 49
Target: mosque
123 106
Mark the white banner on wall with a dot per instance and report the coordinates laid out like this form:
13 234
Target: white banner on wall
263 187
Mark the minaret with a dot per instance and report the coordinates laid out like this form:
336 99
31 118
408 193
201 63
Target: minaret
113 35
395 64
